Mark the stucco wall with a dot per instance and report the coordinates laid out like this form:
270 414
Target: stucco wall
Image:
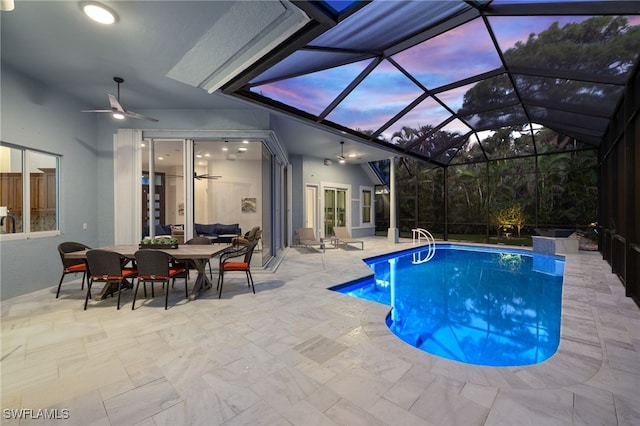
34 116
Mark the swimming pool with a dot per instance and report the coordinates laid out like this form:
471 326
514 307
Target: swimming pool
476 305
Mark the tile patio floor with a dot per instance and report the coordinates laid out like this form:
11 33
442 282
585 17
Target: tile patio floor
297 354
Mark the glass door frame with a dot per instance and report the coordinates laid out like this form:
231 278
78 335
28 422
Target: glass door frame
346 188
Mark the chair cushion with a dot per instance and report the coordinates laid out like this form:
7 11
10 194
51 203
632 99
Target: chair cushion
175 270
235 266
127 272
80 267
152 277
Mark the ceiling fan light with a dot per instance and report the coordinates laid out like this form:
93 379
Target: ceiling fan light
118 116
99 12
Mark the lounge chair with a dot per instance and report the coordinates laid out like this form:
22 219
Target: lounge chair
307 238
254 235
342 234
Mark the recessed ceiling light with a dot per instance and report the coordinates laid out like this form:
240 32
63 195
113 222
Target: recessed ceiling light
242 149
99 12
245 141
198 155
225 149
7 5
118 116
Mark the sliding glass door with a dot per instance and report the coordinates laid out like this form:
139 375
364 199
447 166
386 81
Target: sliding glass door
164 160
335 209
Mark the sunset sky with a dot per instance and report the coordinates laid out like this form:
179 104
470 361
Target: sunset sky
458 54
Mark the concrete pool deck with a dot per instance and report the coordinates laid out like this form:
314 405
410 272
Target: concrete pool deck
296 353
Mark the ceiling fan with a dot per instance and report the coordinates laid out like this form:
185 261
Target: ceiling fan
196 176
341 157
117 109
205 176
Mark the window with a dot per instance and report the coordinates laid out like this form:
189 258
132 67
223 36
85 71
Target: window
24 171
366 199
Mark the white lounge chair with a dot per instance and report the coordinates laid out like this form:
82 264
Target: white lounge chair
342 234
307 238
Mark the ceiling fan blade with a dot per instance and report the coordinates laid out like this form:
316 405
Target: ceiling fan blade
132 114
205 176
115 105
117 108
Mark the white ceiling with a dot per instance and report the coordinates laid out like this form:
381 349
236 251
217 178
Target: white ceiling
54 43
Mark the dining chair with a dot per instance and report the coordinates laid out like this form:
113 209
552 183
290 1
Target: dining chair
202 241
155 266
107 266
72 266
240 266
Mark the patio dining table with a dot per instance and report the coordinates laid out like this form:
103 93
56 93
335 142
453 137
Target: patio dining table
198 254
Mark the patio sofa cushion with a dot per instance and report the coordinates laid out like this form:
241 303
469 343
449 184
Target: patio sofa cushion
203 230
163 229
216 229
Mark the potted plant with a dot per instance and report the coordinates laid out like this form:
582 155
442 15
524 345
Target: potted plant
159 242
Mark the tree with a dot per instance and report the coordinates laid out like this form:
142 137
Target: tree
602 45
510 216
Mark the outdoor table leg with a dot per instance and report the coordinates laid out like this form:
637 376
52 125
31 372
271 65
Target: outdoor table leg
109 289
202 281
112 288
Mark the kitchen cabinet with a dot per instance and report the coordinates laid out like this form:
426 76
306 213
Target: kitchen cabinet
11 191
43 191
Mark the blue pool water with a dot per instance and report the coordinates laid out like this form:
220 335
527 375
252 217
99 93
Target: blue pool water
480 306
